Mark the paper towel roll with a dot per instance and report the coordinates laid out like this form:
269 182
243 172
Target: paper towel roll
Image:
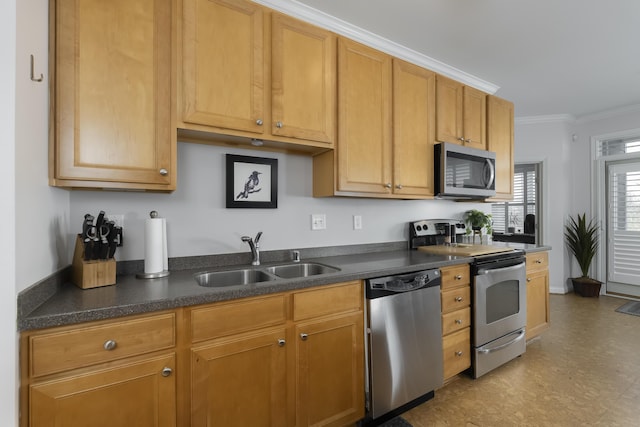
155 246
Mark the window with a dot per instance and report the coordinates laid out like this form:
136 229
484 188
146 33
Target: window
518 217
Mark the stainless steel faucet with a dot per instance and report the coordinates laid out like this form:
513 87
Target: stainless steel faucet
255 247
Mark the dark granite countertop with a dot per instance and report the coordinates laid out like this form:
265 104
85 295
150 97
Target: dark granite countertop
70 304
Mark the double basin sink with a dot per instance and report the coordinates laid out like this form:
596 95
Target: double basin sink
246 276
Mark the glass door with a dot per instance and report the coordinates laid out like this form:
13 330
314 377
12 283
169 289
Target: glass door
623 228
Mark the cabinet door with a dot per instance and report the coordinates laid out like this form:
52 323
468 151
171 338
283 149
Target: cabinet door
475 118
500 141
112 95
330 371
223 64
449 115
133 394
303 81
364 119
537 303
240 382
413 128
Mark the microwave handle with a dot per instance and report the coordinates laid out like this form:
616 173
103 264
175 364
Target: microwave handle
492 173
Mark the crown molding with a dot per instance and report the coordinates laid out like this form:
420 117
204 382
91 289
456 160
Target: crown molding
343 28
556 118
629 109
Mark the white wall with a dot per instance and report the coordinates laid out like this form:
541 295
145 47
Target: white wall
199 223
42 212
8 336
549 143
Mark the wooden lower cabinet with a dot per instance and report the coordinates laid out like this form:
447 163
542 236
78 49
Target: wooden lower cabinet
120 372
456 319
537 293
141 393
240 381
330 371
306 370
293 358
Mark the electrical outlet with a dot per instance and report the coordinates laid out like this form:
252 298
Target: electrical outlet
318 221
357 222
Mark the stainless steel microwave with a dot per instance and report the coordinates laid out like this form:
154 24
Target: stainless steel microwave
463 172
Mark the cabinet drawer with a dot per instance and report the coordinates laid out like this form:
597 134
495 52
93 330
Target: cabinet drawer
455 276
327 300
228 318
456 352
88 345
456 320
456 299
537 261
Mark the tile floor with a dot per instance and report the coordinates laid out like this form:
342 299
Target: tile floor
583 371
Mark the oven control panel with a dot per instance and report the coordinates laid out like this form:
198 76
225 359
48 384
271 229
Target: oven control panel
430 227
428 232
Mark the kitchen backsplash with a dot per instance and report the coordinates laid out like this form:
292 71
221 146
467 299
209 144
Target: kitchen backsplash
198 223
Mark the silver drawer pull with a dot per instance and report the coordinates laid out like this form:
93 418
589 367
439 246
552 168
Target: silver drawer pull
167 371
281 342
528 279
110 345
458 277
459 321
538 261
459 353
304 337
458 299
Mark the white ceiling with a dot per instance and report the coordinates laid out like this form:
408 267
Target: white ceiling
550 57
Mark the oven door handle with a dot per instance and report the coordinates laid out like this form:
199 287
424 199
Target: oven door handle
500 269
501 346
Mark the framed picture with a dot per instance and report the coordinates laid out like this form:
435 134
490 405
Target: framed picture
252 182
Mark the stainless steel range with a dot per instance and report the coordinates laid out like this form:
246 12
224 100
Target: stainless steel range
499 310
499 291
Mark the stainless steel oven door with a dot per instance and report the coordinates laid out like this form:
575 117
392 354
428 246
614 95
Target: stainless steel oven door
500 302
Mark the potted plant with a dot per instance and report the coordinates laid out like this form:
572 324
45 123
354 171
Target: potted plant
476 221
582 240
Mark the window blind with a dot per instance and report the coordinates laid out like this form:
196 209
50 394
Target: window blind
513 213
624 223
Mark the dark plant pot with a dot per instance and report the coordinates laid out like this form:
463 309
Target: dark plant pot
586 287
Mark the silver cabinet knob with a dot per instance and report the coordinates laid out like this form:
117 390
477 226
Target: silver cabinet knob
458 299
164 172
304 337
259 122
387 185
281 342
458 353
167 371
458 277
110 345
461 139
459 321
538 261
528 279
399 186
279 124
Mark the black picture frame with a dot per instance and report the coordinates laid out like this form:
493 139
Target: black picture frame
252 182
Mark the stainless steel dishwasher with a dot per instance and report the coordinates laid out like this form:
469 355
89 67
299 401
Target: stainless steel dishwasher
404 351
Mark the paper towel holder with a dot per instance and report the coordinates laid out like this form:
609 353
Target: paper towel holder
159 274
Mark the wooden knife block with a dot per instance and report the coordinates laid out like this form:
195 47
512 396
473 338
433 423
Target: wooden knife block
91 274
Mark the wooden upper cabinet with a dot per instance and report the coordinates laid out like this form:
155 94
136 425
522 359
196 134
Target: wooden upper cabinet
364 119
414 106
223 64
461 114
303 80
111 96
251 72
500 140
